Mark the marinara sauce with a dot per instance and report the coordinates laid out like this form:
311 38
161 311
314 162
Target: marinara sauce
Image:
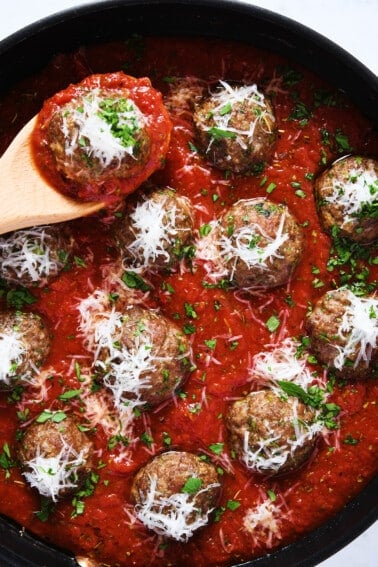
316 125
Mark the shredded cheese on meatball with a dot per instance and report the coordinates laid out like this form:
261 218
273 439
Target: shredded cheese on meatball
128 374
12 352
359 330
127 371
175 516
52 475
244 245
154 229
93 134
270 453
360 188
226 99
27 253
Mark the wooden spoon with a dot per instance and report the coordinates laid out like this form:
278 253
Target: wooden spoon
27 199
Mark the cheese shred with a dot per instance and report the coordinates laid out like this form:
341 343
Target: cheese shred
175 516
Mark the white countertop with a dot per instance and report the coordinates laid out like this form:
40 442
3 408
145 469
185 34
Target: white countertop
353 25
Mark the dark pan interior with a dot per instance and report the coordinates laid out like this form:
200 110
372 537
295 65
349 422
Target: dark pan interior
30 49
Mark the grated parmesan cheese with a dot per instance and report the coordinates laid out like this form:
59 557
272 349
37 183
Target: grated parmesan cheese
264 522
155 230
53 475
27 254
228 97
91 126
127 372
359 189
175 516
271 452
12 352
243 245
359 330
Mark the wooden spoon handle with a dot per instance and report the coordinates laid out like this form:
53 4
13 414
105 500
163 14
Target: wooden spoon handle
27 199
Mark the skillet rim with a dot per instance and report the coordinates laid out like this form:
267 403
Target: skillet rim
342 70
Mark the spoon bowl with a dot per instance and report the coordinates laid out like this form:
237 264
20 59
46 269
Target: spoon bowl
27 198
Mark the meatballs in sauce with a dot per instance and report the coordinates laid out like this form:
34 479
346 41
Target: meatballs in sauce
141 355
343 330
270 434
235 127
56 456
101 138
255 243
35 255
24 346
347 198
175 493
155 231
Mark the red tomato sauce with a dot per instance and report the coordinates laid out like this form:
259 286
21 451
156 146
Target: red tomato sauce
315 126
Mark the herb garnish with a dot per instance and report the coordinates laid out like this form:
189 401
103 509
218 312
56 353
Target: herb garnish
192 485
134 281
314 397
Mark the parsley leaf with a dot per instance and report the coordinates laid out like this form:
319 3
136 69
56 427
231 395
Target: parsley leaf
192 485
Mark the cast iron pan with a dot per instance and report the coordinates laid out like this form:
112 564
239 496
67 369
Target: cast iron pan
30 49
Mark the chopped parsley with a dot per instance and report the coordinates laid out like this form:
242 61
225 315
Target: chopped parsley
19 297
192 485
300 112
216 448
78 502
69 395
273 323
314 397
6 461
121 114
135 281
47 507
54 416
352 261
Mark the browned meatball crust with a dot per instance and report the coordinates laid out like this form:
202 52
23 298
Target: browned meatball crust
33 256
170 478
343 330
347 198
154 341
155 230
99 135
259 243
271 435
24 346
235 127
57 446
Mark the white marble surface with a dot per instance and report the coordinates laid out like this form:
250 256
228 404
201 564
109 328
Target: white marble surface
352 24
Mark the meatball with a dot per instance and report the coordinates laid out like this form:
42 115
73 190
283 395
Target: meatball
272 435
143 358
346 195
34 256
184 92
56 457
156 231
235 127
24 346
99 135
343 330
175 493
258 243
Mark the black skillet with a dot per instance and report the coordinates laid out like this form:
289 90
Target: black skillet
30 49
